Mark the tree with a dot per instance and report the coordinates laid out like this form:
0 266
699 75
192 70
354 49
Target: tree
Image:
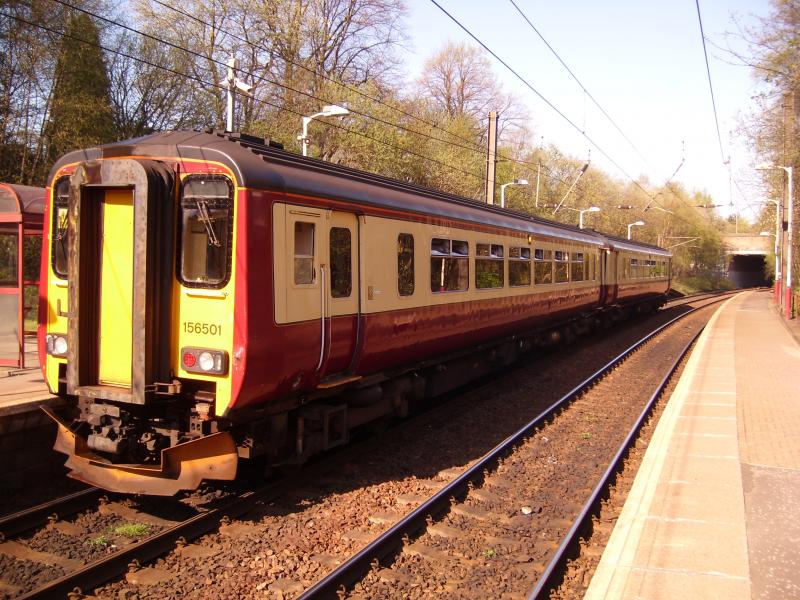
459 81
81 114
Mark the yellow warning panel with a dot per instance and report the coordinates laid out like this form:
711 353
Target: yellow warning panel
116 288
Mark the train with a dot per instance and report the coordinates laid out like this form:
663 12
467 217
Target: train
208 297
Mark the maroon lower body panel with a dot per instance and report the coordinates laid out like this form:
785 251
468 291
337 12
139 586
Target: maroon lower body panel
282 360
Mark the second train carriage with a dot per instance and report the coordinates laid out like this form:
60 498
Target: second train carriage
209 296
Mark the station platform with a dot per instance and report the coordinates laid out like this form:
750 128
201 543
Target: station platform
714 511
23 390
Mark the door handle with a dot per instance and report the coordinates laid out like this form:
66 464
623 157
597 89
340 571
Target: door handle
321 316
59 312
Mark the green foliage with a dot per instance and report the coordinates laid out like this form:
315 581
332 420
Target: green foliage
81 115
131 530
101 541
693 285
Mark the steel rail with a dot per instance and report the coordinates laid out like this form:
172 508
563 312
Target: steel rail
554 568
100 571
36 516
357 566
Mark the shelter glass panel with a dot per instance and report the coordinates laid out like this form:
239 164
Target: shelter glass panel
9 248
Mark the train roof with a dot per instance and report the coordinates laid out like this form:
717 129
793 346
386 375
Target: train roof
259 164
618 243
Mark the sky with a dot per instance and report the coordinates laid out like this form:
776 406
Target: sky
641 60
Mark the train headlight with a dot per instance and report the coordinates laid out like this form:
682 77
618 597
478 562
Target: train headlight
206 361
203 360
56 344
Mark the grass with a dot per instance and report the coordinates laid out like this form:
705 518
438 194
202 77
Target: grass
131 530
489 553
586 435
100 541
693 285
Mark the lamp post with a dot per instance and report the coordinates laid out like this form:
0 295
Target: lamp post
505 185
581 211
790 236
637 223
330 110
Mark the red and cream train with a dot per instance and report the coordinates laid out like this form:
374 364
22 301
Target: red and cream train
208 297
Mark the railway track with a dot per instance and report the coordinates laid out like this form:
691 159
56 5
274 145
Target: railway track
307 500
428 516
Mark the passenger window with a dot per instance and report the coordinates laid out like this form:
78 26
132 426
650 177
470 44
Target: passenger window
519 266
489 269
59 228
543 266
206 230
405 264
562 266
577 267
449 265
341 263
304 253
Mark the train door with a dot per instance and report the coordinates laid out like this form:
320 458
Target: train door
343 291
610 279
318 252
116 288
119 259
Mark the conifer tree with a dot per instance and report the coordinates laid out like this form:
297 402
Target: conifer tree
81 115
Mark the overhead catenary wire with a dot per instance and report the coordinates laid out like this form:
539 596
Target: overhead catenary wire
527 84
710 85
253 76
578 81
541 96
222 87
472 146
259 100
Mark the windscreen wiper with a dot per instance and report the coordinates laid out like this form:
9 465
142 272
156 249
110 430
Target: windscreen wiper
205 218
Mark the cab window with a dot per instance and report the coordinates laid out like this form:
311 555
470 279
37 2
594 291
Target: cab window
60 241
206 231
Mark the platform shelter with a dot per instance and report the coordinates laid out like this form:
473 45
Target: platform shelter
21 219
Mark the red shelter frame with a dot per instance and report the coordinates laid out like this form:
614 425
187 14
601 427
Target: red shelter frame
21 218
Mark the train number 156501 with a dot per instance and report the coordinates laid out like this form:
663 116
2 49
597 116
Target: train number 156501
202 328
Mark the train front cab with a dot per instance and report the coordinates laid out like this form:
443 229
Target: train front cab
114 331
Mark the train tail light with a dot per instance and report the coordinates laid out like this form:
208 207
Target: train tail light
203 360
56 344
